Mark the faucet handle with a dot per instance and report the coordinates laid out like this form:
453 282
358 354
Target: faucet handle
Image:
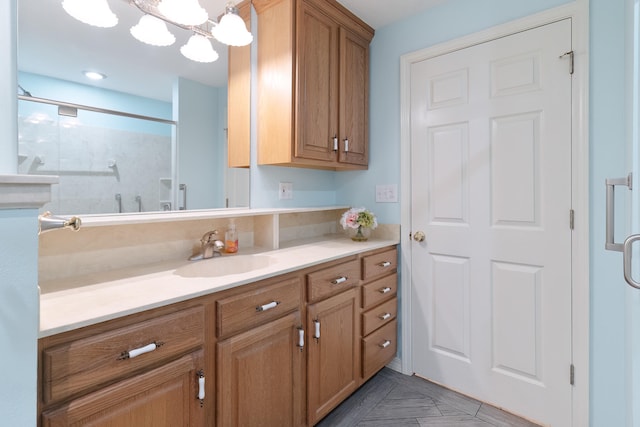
208 236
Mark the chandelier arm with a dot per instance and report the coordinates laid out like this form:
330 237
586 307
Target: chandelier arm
144 7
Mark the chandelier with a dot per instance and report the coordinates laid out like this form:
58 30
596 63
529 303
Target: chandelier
152 27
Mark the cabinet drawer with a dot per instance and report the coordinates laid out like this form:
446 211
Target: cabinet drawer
79 365
378 316
379 264
378 349
257 307
380 290
332 280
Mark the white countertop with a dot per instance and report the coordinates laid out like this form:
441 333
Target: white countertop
83 301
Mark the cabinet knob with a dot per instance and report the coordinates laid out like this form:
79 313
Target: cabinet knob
339 280
385 344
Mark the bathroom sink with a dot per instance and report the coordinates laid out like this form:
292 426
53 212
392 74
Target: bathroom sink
225 265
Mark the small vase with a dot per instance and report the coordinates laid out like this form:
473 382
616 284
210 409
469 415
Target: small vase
360 234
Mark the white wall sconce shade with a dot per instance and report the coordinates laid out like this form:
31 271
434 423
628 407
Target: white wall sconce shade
92 12
232 30
153 31
199 49
184 12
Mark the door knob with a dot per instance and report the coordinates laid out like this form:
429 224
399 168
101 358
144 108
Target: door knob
419 236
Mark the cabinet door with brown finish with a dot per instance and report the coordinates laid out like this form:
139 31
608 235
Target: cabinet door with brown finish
260 376
354 100
165 396
332 370
317 94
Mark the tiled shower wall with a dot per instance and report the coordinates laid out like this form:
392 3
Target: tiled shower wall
95 163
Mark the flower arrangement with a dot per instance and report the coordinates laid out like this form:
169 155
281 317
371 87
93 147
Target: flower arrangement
361 221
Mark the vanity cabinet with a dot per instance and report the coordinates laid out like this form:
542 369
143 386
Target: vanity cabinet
147 369
379 310
313 83
260 355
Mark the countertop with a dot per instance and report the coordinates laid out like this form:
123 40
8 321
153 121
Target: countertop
82 301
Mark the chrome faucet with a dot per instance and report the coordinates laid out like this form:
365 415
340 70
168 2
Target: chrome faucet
210 246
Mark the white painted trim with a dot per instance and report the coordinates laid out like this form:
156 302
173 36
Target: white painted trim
578 11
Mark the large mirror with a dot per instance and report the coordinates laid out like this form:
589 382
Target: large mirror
172 157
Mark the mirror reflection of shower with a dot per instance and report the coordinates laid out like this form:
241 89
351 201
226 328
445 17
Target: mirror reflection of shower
106 160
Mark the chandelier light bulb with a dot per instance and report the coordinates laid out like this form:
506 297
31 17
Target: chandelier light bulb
199 49
92 12
232 30
153 31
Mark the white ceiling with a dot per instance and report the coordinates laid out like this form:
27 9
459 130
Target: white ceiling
52 43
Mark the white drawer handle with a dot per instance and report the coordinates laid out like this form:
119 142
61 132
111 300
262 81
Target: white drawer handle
138 351
384 264
316 335
385 290
385 344
265 307
385 316
300 338
201 387
339 280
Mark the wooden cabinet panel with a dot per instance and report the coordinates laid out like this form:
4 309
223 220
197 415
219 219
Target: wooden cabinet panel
239 98
333 358
378 349
253 308
332 280
165 396
317 100
379 264
378 316
354 99
260 376
379 290
81 364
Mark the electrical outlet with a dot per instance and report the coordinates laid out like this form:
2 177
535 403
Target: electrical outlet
387 193
285 191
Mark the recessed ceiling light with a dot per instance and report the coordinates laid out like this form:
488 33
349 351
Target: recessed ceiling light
94 75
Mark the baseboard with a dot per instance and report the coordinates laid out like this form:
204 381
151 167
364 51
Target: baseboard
395 364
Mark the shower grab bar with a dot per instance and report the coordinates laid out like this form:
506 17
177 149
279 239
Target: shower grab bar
183 188
119 200
139 200
611 183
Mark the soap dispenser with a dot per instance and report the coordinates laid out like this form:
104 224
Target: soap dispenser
231 239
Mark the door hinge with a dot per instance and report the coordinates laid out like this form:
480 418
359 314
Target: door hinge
572 215
572 374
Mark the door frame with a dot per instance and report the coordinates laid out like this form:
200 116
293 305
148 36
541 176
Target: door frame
578 12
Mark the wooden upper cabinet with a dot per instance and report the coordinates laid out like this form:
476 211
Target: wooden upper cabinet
313 83
239 98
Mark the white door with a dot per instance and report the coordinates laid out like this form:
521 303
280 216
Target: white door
491 190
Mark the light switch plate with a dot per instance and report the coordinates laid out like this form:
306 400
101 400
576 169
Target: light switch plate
285 191
387 193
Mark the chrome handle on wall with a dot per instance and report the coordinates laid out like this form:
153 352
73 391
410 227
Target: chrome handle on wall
139 200
119 200
183 188
611 210
626 260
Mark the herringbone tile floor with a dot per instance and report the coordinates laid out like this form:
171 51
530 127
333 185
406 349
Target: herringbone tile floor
391 399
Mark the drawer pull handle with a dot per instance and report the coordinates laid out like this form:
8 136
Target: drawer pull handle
385 316
265 307
385 290
201 387
384 264
301 338
385 344
138 351
316 335
339 280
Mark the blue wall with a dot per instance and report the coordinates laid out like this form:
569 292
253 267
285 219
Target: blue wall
607 138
